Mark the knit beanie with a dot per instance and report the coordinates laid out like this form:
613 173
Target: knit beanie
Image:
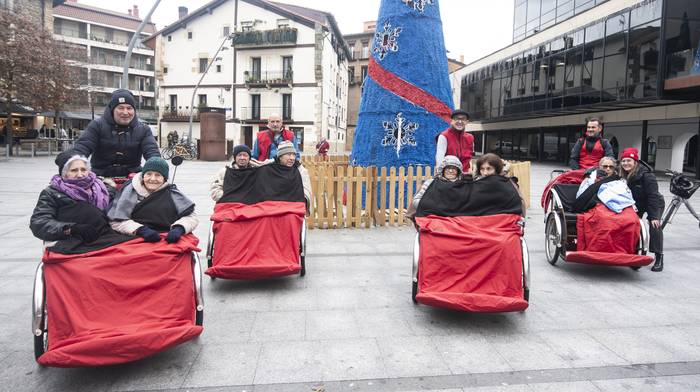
121 96
285 147
64 159
630 152
157 164
239 149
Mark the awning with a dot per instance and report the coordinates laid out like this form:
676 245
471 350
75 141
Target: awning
70 115
16 109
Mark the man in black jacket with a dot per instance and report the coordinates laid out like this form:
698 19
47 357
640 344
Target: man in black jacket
117 140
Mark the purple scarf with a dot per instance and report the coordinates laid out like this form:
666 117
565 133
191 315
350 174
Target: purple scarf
88 189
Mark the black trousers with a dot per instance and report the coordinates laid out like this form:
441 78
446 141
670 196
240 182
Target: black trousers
656 238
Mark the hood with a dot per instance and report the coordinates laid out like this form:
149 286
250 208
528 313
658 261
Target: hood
450 160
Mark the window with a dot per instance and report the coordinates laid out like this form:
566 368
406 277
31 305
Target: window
170 38
255 68
165 70
643 60
203 65
247 25
364 73
227 31
282 23
202 100
287 62
173 103
218 68
365 50
286 106
255 106
189 35
351 75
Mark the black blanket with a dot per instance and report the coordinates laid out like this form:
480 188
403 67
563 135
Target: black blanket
272 182
86 213
489 195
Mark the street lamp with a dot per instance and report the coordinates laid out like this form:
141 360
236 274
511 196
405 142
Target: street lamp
194 92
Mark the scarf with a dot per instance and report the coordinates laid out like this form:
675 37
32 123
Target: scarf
88 189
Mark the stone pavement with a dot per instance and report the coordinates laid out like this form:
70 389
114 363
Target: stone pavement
350 325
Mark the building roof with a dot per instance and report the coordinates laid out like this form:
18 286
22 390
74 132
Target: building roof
98 15
303 15
365 34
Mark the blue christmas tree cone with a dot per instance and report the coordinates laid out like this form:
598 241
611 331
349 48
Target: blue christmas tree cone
407 99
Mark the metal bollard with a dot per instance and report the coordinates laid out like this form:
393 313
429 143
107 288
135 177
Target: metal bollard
33 150
49 144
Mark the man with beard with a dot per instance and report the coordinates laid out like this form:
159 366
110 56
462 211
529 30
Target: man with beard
588 151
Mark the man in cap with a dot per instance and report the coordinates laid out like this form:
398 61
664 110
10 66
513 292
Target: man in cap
241 160
117 140
456 141
267 141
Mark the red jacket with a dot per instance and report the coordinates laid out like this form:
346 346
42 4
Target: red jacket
265 139
461 145
590 159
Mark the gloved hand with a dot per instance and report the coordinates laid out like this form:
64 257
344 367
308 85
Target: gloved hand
175 233
86 232
148 234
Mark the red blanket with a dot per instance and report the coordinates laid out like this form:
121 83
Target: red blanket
471 263
607 238
255 241
119 304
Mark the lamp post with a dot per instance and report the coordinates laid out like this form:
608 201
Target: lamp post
132 43
194 92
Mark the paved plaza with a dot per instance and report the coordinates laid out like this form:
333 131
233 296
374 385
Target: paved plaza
350 325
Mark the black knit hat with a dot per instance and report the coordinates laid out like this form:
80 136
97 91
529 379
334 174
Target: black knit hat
241 148
62 159
121 96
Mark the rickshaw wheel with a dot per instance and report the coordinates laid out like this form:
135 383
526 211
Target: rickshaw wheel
552 238
636 268
414 292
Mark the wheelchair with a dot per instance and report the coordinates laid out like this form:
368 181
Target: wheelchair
41 312
561 229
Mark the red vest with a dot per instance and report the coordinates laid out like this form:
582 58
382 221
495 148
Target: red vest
461 145
265 141
587 159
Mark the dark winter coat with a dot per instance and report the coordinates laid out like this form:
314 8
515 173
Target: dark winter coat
44 221
116 150
645 191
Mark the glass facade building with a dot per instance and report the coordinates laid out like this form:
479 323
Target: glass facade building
620 61
533 16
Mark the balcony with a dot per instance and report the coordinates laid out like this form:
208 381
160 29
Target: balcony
359 55
274 37
256 114
180 115
268 79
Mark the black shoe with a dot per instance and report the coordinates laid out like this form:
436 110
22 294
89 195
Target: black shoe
658 263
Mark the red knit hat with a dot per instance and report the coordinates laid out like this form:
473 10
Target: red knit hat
631 153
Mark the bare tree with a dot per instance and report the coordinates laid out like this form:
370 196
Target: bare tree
34 70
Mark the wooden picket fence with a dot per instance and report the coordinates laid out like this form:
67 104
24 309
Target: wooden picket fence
361 197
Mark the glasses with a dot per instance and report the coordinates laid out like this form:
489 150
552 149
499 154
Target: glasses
608 166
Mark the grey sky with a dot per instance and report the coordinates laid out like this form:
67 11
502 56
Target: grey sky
473 28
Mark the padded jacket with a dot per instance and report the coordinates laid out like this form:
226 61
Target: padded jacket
43 222
645 190
116 150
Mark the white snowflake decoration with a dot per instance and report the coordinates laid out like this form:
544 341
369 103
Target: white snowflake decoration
399 132
385 41
418 5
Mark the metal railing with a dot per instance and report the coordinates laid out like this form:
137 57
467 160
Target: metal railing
255 113
284 35
269 77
